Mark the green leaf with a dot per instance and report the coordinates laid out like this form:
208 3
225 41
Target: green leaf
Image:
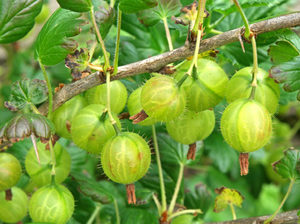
168 8
289 73
133 6
220 152
289 165
138 216
286 48
226 197
94 189
17 18
25 92
76 5
198 198
53 42
282 51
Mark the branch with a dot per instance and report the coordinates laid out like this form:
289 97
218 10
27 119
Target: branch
155 63
282 218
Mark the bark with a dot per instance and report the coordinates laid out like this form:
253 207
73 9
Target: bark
282 218
156 63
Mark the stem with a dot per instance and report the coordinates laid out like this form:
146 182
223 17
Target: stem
112 3
116 60
117 211
217 22
175 194
34 109
157 203
255 68
183 212
232 211
200 16
50 94
112 120
99 38
214 31
94 215
246 22
195 58
53 159
168 34
160 172
282 202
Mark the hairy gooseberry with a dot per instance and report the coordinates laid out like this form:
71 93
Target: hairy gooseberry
40 173
91 128
14 210
126 158
10 171
206 88
118 95
63 115
162 99
134 106
246 125
267 91
190 127
52 203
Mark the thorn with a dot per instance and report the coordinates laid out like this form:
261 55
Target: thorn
241 42
35 148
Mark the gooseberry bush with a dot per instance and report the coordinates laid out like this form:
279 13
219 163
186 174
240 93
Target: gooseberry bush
155 111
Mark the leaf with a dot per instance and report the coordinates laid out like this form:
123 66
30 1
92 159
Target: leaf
289 165
226 197
76 5
286 48
53 42
289 73
93 189
220 152
168 8
133 6
17 18
198 198
25 92
105 17
78 62
282 51
140 216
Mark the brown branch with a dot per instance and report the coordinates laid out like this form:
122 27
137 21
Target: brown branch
282 218
155 63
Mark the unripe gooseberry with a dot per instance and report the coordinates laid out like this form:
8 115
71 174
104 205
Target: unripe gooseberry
14 210
10 171
134 106
206 88
126 158
91 128
162 99
246 125
40 173
63 115
267 91
191 126
53 203
118 95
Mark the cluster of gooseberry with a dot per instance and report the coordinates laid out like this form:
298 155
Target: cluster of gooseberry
184 103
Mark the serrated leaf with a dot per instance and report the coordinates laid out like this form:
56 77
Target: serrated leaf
226 197
25 92
133 6
76 5
78 62
17 18
168 8
289 73
138 216
53 42
289 165
282 51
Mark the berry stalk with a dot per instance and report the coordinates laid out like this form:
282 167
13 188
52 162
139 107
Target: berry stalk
116 60
168 34
50 94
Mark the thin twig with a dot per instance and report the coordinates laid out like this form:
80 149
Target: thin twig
155 63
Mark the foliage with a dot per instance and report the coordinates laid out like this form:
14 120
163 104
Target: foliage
67 38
